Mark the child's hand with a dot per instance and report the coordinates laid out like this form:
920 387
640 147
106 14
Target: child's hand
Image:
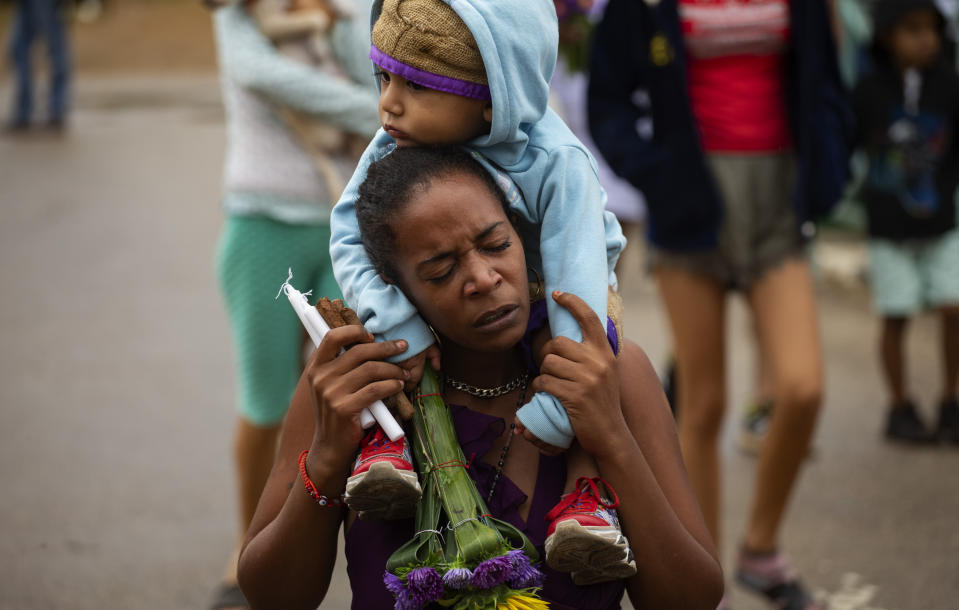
543 446
417 363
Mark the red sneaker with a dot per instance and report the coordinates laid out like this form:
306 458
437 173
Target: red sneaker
383 484
584 536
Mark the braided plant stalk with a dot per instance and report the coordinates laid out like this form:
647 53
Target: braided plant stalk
481 562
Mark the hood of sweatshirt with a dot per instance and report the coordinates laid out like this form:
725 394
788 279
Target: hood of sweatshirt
518 42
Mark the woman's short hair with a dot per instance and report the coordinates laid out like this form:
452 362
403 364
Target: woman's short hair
392 182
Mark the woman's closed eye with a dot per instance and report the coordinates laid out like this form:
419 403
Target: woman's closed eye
447 272
499 247
442 276
382 75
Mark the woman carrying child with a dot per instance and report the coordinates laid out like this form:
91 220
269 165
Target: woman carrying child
475 73
437 226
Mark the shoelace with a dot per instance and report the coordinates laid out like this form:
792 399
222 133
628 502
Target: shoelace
379 443
586 498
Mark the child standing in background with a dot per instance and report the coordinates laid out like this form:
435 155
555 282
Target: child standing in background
908 116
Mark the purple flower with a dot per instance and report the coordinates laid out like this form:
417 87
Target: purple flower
393 584
405 602
425 584
518 558
492 572
457 578
524 575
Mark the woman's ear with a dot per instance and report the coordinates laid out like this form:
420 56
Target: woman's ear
488 112
386 279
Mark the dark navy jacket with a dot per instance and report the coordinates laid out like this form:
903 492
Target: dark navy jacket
638 47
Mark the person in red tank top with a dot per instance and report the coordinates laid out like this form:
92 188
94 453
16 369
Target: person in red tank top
737 58
736 73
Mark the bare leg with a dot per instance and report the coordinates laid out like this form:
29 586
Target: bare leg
893 361
253 451
764 376
578 464
950 351
785 312
696 307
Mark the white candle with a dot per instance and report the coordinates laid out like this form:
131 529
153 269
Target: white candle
317 328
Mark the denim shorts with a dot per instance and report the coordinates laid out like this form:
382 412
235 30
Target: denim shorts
908 276
758 231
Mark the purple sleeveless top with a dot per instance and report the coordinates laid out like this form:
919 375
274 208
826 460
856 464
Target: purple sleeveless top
370 543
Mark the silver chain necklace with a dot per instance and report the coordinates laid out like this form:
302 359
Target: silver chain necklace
499 390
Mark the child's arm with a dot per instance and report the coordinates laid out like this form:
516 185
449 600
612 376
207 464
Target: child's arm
383 308
249 59
579 245
579 241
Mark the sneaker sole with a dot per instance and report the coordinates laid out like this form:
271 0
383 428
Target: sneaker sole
573 547
624 569
383 492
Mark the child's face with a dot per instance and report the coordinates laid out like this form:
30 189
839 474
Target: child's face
914 40
415 115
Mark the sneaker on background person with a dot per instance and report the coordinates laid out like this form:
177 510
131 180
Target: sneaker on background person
769 574
948 427
755 424
904 424
384 484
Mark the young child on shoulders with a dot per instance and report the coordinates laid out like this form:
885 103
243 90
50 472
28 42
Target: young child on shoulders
476 73
908 115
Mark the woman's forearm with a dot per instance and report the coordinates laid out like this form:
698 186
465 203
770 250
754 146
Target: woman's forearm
288 563
290 548
677 563
675 569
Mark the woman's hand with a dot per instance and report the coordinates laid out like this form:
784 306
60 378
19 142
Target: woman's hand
584 378
342 385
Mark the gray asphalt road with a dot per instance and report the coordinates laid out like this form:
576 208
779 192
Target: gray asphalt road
116 386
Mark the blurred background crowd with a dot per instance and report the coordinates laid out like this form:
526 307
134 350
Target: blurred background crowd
789 190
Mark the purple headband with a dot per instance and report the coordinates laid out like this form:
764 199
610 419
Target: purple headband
447 84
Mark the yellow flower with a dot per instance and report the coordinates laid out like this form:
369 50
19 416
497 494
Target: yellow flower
523 602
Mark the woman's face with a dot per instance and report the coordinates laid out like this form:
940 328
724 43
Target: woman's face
460 261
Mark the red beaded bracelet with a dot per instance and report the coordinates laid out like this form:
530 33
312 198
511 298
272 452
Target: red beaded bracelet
311 488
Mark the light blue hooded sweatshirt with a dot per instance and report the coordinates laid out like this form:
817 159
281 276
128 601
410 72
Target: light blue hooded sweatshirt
569 236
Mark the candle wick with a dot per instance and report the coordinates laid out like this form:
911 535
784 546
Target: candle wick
286 287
